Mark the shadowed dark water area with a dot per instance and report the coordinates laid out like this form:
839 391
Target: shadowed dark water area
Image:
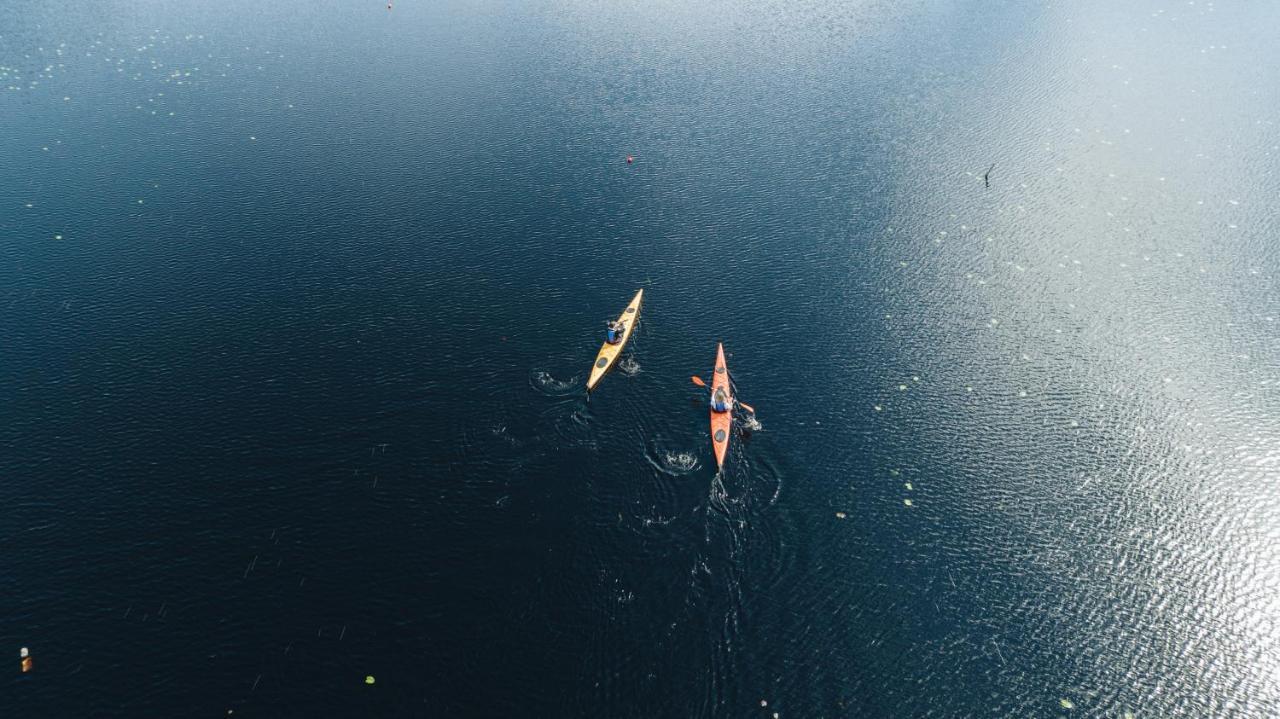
299 300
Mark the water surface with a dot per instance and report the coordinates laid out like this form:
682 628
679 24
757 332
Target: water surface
299 299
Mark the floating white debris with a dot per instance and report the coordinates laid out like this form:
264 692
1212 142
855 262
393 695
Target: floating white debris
877 407
902 387
764 703
839 515
1067 703
908 503
1022 393
908 486
57 237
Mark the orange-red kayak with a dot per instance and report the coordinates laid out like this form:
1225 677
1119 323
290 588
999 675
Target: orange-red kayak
721 421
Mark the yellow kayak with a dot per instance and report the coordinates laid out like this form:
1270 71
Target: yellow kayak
609 353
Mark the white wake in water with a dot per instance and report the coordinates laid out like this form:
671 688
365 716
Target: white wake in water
629 366
679 461
673 462
544 382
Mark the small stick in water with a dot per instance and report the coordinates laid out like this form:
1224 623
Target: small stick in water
344 632
255 682
987 175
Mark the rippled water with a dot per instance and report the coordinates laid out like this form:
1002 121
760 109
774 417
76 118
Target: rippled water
299 299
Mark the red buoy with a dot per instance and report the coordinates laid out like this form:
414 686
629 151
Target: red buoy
630 159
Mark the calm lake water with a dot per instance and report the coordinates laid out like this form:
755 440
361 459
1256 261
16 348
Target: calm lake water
299 299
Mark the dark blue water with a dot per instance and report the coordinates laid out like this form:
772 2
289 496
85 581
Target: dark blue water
299 299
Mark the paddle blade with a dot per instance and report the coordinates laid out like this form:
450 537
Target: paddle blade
747 407
698 381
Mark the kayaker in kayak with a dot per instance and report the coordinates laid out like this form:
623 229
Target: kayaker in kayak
618 333
614 331
719 400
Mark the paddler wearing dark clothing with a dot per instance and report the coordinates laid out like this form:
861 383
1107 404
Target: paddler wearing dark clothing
613 333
